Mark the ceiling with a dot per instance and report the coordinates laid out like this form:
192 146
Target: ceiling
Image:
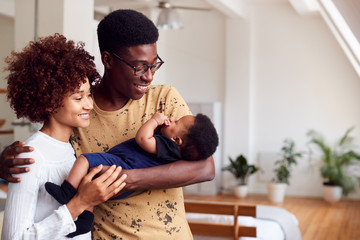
146 4
350 10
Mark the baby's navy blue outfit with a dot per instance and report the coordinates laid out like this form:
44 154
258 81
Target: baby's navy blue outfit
129 155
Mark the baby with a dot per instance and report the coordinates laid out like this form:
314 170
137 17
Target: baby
189 138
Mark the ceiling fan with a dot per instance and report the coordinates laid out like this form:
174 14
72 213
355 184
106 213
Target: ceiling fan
167 5
169 18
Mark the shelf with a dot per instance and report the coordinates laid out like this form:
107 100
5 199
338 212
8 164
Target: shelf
2 132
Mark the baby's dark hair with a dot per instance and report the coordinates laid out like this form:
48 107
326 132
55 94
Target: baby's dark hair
125 28
201 140
44 73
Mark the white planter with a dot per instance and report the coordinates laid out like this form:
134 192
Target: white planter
241 191
332 194
276 192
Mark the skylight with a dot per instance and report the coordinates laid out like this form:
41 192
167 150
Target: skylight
343 18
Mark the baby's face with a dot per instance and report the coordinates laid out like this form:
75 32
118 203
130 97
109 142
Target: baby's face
179 127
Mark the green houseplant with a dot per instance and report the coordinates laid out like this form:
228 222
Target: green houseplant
282 170
335 160
241 170
283 166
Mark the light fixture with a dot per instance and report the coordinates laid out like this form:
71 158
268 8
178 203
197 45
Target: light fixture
169 18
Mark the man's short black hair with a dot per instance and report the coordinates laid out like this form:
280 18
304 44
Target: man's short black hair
201 140
125 28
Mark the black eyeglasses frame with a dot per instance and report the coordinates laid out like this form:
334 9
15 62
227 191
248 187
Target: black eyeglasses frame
157 65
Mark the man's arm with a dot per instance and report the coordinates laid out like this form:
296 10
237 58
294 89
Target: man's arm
177 174
9 163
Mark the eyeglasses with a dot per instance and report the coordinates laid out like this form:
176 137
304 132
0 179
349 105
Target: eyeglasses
140 70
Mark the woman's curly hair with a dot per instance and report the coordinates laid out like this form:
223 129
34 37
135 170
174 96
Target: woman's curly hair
44 73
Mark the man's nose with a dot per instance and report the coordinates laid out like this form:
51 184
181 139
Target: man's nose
148 76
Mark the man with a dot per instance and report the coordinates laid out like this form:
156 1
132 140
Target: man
122 102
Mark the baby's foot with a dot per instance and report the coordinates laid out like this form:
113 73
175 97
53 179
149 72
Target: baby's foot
84 224
63 194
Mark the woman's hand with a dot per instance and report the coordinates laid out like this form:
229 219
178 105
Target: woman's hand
98 190
92 192
9 163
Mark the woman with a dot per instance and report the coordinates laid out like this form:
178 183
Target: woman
50 82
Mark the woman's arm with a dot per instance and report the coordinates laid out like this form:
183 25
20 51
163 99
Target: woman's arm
21 208
177 174
23 198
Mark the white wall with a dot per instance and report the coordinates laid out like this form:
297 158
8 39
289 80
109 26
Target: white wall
237 102
195 56
7 44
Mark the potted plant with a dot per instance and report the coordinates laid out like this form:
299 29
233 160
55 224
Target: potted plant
335 161
241 171
283 168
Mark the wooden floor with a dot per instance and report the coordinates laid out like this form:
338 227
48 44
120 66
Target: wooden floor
318 220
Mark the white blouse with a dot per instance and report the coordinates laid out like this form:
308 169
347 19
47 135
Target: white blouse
30 212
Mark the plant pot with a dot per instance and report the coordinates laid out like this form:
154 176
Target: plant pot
332 193
241 191
276 192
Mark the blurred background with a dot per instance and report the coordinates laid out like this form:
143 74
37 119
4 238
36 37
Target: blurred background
264 70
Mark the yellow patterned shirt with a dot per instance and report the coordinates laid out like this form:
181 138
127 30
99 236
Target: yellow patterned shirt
155 214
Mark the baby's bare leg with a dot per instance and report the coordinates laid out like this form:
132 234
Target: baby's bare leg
78 171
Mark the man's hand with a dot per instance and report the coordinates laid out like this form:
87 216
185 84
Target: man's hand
9 163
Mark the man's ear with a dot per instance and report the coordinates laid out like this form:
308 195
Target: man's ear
106 59
177 140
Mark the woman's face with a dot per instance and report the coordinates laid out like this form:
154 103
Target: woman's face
75 108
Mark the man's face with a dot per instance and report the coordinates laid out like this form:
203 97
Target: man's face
121 76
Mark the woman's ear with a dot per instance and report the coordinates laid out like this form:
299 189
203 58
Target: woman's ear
49 110
106 59
177 140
